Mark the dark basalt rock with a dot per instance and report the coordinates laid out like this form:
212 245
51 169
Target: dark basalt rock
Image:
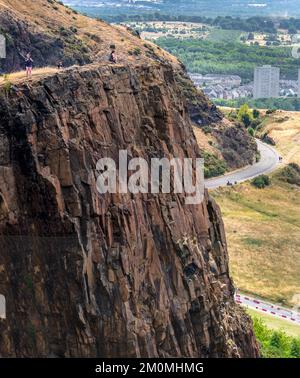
46 49
86 275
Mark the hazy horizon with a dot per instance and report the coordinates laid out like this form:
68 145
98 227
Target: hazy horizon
243 8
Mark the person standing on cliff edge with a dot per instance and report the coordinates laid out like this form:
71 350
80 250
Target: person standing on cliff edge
28 64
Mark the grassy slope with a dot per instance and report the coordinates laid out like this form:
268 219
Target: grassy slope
263 226
18 77
217 35
284 128
50 17
207 142
276 324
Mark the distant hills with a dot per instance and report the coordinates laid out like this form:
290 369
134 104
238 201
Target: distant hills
243 8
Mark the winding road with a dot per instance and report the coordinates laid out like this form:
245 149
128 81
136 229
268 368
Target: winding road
268 308
269 161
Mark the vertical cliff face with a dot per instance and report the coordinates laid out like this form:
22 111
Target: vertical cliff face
114 275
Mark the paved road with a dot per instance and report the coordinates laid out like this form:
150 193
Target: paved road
267 164
268 308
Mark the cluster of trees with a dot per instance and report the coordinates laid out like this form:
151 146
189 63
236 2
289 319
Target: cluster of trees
213 165
275 344
146 17
203 56
289 104
261 182
291 174
251 119
251 24
290 24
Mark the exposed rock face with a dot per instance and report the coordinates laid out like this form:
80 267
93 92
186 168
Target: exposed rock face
236 145
53 33
47 50
202 111
233 142
114 275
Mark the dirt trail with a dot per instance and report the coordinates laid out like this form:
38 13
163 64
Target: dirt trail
39 73
20 77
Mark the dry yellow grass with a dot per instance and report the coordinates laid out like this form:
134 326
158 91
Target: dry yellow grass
45 17
284 128
263 226
20 76
50 18
206 141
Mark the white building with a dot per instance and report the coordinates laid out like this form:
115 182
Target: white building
228 81
266 82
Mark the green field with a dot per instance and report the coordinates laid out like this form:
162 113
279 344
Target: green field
217 35
275 323
276 338
262 228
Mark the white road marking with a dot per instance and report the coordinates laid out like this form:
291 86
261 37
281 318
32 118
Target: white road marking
269 308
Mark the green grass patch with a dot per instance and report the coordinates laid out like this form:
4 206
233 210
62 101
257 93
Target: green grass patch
275 344
266 326
213 166
217 35
253 242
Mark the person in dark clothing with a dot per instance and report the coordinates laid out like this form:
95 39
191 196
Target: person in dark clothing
28 65
60 65
113 57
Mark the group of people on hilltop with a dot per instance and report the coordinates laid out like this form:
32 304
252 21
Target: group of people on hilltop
28 62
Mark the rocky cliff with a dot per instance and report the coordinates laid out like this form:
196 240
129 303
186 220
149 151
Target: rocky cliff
53 32
115 275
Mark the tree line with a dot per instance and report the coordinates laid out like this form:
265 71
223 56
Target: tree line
250 24
232 58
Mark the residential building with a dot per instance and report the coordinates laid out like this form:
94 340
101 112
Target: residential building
266 82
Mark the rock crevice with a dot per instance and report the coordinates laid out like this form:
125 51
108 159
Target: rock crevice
86 275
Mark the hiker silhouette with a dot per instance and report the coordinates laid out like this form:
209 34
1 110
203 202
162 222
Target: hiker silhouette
113 57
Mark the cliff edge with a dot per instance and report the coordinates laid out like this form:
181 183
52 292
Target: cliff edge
52 32
86 275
